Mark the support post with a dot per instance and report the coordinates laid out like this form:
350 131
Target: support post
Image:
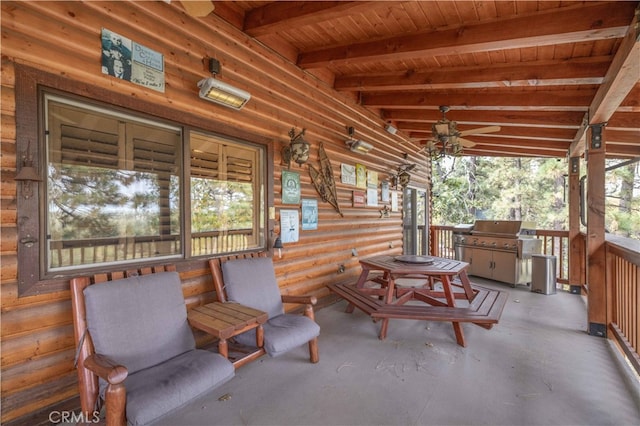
576 245
596 256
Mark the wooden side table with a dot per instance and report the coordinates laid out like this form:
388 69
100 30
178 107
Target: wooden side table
228 319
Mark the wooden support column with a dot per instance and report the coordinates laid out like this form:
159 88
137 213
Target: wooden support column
576 245
596 258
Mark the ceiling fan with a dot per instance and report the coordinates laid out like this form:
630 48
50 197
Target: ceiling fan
451 140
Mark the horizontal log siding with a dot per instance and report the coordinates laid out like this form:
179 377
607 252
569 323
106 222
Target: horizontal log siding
63 38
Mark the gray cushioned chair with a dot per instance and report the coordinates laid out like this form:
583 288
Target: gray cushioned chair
144 349
251 281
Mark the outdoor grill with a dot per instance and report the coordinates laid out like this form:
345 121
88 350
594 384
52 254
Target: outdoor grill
497 249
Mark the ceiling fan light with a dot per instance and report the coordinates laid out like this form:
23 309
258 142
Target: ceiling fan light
222 93
441 128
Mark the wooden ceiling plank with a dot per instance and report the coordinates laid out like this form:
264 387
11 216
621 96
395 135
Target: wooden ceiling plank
624 120
506 151
540 73
559 119
528 132
561 147
627 136
595 21
560 100
285 15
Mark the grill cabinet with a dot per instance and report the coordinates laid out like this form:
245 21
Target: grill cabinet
498 249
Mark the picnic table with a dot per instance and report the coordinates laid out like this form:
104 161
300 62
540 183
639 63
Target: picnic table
388 283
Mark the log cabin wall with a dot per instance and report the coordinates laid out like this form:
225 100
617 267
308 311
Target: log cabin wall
62 39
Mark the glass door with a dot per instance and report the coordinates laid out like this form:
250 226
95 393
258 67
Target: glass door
415 222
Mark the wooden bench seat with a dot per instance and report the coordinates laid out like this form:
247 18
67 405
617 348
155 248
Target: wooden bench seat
486 308
350 293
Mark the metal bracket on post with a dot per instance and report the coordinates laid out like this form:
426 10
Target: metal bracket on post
575 165
597 329
596 135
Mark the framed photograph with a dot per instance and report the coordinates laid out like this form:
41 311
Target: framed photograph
289 226
309 214
348 174
290 187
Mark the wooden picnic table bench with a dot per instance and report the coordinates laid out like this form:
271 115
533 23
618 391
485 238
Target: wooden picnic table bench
381 297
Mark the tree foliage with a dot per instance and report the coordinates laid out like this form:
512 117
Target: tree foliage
530 189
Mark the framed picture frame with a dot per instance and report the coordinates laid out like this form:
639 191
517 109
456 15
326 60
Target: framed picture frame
290 187
309 214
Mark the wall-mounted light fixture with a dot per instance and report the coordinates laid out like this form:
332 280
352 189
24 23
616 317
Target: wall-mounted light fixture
27 175
403 177
297 150
390 128
357 145
220 92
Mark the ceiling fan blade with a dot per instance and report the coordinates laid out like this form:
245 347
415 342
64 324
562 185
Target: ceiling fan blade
480 130
466 142
196 8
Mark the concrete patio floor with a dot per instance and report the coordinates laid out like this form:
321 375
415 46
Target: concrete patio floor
536 367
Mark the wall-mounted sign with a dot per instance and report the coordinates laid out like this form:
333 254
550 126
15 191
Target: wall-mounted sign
289 226
309 214
361 176
348 174
290 187
372 197
358 199
128 60
384 189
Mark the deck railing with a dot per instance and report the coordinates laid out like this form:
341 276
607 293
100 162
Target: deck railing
623 284
622 276
105 250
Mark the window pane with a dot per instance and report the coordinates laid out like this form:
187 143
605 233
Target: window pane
113 188
226 196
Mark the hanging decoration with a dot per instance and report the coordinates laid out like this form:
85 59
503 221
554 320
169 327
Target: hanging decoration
324 181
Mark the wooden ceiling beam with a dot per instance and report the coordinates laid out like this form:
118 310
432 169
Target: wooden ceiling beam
558 119
534 74
284 15
548 100
594 22
621 78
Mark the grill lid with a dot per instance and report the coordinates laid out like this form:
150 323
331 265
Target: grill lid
506 228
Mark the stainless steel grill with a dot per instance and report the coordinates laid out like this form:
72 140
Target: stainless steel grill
498 249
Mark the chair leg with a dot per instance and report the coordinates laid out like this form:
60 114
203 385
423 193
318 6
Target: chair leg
313 350
115 401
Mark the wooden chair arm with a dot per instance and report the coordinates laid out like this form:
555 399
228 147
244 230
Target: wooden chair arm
107 369
309 300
